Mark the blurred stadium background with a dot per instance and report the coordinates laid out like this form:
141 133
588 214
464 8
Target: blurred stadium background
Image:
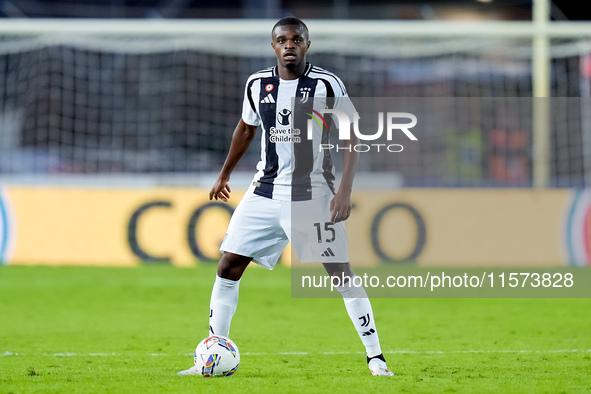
148 93
116 115
152 96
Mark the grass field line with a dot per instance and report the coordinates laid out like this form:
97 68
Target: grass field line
70 354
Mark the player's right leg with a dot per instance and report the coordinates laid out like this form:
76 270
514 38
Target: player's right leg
254 234
224 296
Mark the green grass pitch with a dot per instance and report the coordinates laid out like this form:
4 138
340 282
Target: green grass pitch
129 330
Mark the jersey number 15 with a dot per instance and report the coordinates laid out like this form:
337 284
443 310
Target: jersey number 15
327 228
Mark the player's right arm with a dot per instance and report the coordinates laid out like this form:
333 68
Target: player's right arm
241 139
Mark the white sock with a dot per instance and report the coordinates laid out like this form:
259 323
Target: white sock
224 299
359 309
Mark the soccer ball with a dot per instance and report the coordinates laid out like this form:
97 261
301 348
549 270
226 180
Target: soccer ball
217 356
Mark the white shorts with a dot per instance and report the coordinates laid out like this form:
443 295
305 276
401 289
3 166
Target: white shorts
261 228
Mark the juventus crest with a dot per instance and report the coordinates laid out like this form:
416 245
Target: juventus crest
305 95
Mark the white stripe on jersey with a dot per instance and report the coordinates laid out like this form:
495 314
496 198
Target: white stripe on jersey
336 83
283 181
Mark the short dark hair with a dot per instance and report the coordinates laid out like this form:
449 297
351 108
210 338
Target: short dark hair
291 21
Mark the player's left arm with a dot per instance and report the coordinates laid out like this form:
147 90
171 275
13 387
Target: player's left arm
340 206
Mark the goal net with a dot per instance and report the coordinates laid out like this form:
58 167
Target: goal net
102 98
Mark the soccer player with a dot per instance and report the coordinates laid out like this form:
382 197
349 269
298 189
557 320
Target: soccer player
291 176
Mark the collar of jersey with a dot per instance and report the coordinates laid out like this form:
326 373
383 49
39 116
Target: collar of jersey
305 74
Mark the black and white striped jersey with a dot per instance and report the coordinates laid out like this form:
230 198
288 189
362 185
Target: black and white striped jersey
292 167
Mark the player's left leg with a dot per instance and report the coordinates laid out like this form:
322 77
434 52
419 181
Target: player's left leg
361 314
314 237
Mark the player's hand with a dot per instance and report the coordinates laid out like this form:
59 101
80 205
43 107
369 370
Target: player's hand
340 207
220 190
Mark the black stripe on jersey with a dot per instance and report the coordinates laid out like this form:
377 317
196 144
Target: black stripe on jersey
249 95
268 112
329 89
303 160
319 70
255 77
327 166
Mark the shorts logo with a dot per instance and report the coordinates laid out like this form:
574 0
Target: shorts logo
328 253
284 117
7 228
